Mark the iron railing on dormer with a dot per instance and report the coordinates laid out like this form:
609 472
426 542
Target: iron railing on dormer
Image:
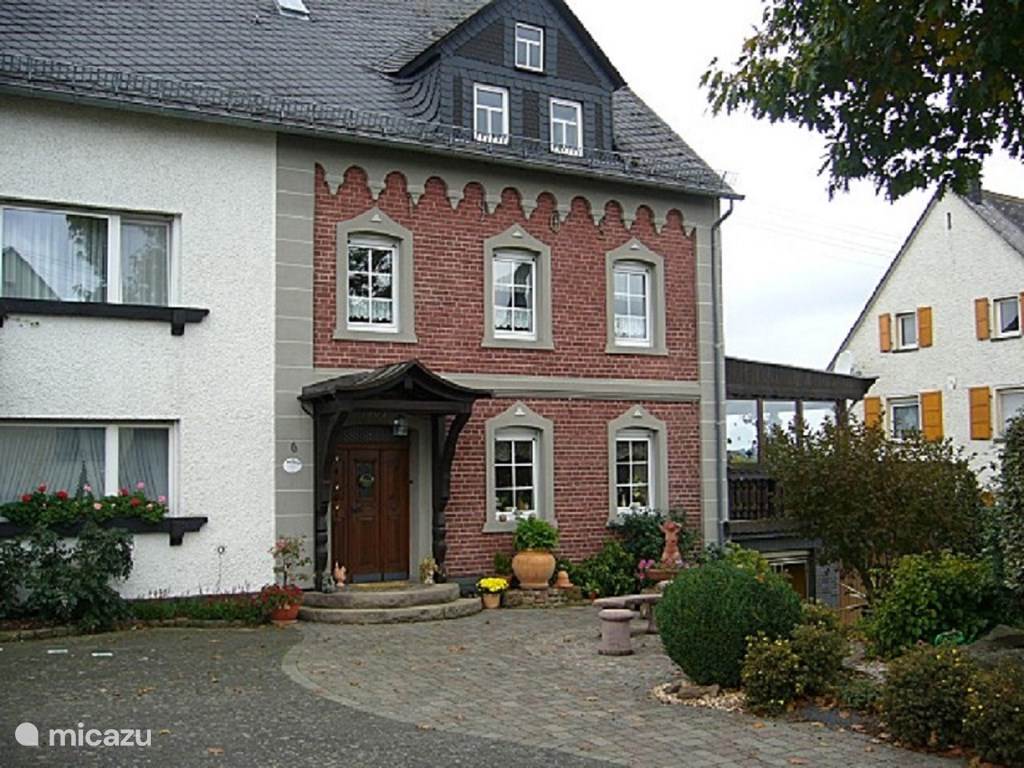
101 84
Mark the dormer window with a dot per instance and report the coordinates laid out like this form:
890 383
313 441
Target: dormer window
566 127
490 114
529 48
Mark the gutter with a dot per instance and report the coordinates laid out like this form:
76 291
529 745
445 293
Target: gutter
719 378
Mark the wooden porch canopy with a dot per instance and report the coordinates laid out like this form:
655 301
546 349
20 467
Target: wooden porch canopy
402 388
753 380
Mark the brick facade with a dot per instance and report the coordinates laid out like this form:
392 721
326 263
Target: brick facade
449 290
449 283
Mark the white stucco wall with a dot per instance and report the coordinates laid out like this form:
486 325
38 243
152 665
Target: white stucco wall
947 269
215 382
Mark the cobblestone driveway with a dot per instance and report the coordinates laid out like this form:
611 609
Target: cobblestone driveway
534 677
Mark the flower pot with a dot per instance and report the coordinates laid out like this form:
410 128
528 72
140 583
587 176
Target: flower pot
285 615
533 568
491 599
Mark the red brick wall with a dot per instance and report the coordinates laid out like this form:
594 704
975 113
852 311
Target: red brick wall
448 254
581 477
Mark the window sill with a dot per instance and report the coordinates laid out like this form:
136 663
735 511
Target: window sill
620 349
175 527
904 350
380 337
508 343
177 317
1008 337
492 526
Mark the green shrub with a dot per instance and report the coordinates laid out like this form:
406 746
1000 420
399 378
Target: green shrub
72 585
502 564
819 615
534 533
13 565
821 652
610 572
924 700
929 595
707 614
741 557
771 674
995 714
642 537
1007 518
859 693
244 608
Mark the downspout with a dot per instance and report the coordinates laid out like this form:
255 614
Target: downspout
719 378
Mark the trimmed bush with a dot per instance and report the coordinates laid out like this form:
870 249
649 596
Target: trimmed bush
995 714
859 693
930 595
642 537
610 572
771 675
707 614
924 700
243 608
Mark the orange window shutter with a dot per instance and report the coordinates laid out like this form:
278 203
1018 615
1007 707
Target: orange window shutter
981 413
924 326
981 319
885 333
931 415
872 412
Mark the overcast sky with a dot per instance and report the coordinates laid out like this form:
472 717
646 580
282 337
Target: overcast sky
798 267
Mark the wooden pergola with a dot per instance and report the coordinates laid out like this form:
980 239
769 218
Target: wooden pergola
407 388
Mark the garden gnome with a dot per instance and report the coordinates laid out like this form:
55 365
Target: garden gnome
670 555
339 576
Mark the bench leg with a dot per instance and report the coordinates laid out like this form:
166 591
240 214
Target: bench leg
615 639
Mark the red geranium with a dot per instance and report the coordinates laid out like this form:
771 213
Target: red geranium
41 489
123 491
136 501
26 497
62 495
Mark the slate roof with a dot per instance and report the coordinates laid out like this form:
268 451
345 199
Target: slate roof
1003 213
333 73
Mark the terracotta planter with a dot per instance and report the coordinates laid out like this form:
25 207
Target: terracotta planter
533 568
286 615
491 599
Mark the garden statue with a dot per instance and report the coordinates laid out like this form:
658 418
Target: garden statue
340 574
670 556
428 569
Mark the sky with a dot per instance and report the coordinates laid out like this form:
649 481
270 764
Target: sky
798 267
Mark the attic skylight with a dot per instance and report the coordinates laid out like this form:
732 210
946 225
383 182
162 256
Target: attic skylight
293 8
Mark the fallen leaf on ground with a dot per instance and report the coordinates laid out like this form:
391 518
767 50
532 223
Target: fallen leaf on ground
214 751
758 725
797 761
164 731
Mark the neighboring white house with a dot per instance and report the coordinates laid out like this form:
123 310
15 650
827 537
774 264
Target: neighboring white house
942 331
164 213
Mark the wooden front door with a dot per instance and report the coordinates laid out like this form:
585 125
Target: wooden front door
370 512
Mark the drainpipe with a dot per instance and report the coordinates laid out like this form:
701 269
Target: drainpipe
719 378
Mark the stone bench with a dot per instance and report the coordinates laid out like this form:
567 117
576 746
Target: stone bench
642 606
615 632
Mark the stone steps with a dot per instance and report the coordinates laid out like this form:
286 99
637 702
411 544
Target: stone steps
451 609
405 596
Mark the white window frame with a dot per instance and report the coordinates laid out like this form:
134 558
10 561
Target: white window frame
636 436
903 402
1000 415
111 446
378 243
529 44
114 219
578 108
998 313
515 257
489 138
521 435
634 268
900 342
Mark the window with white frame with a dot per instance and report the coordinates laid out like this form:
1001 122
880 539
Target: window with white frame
566 127
515 474
906 417
529 47
1007 317
490 114
68 255
634 471
372 284
906 330
632 304
515 282
1011 404
83 458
